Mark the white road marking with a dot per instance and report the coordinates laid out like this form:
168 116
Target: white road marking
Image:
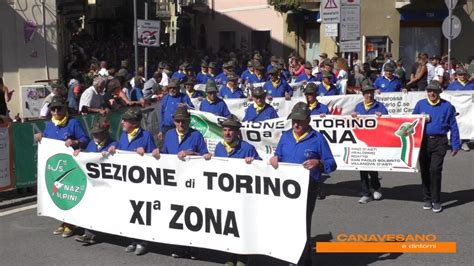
5 213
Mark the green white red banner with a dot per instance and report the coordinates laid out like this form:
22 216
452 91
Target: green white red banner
387 143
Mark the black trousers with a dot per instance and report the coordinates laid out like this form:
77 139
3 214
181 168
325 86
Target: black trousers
364 181
432 152
310 205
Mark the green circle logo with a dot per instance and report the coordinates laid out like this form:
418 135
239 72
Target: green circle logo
65 180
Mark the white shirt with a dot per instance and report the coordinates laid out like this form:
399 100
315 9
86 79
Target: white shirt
431 72
438 72
90 98
44 112
164 79
103 72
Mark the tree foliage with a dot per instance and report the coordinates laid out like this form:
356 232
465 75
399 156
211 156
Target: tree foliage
284 5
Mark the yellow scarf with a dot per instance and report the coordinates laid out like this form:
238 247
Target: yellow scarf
276 83
212 75
259 77
180 136
229 147
368 105
462 83
101 144
388 78
298 139
258 108
190 94
232 88
204 73
313 105
434 103
60 123
132 134
251 72
327 86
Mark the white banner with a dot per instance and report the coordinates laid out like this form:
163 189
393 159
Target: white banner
259 210
397 103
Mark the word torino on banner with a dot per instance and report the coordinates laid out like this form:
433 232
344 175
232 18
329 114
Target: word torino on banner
367 143
260 210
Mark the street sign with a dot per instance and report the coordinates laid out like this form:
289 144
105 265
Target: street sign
148 32
451 4
331 11
455 27
330 29
350 22
349 46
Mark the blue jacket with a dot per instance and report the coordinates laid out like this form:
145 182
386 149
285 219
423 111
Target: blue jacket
442 119
254 79
219 107
320 109
226 93
178 75
278 91
313 146
143 139
92 147
193 141
72 130
385 85
221 79
242 150
457 86
136 94
197 94
267 113
202 78
245 76
168 107
332 90
304 77
376 107
333 80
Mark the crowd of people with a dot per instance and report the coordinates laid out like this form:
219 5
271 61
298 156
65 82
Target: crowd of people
169 95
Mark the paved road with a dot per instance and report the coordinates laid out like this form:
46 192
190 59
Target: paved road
27 239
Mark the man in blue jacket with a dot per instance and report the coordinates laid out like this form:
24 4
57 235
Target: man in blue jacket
306 146
203 76
326 88
232 146
134 138
247 73
369 106
317 108
258 76
212 103
231 89
170 102
307 74
388 82
276 87
462 83
101 142
260 110
441 120
64 128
